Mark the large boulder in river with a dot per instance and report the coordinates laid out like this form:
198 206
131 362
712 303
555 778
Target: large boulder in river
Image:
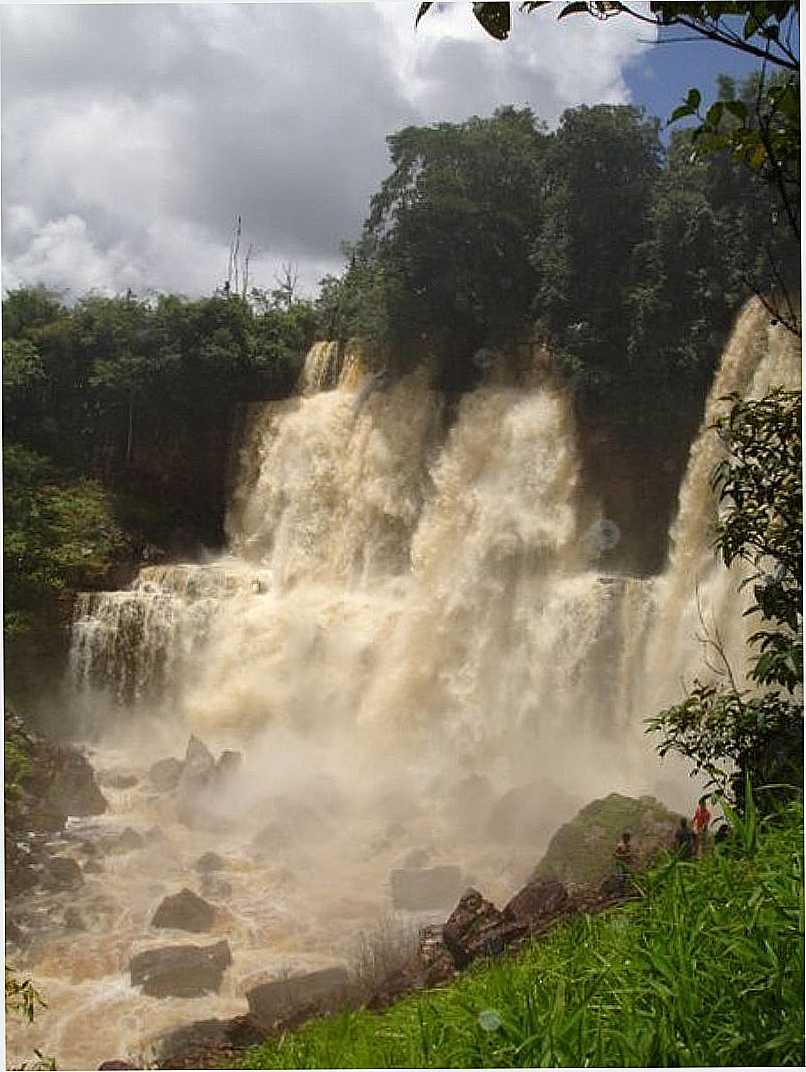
198 772
185 911
181 971
72 789
164 775
581 851
419 889
62 873
528 814
210 861
285 999
193 1045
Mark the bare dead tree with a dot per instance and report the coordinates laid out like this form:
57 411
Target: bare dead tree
714 647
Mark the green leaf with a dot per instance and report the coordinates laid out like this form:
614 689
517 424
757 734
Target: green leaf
578 8
737 108
714 114
693 99
495 19
422 11
680 112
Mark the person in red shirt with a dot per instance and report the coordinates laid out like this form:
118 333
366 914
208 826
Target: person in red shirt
702 820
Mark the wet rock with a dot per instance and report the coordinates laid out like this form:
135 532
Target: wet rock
438 964
115 1064
93 867
213 886
185 911
117 779
190 1045
210 861
197 775
581 851
539 901
420 889
183 971
476 928
73 789
228 765
165 774
62 873
280 1000
128 841
73 920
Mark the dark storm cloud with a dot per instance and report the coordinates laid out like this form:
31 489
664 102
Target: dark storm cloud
133 134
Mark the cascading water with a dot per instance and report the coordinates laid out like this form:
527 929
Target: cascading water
408 623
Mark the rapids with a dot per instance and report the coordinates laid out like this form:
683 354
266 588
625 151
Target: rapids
408 623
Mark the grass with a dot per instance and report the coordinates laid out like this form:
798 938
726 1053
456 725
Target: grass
706 969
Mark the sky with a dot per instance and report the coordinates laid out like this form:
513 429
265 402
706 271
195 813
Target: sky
133 135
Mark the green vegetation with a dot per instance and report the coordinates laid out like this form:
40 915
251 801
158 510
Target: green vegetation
705 969
725 732
115 429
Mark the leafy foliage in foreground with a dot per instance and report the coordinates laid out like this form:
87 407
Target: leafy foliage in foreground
727 733
706 969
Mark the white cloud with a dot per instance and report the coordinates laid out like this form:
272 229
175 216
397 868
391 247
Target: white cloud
133 134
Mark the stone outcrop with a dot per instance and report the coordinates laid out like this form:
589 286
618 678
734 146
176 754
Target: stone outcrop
211 885
165 774
183 971
539 901
207 1043
62 873
581 851
210 861
297 996
185 911
424 888
476 928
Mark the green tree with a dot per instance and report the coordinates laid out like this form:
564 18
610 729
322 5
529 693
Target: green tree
728 733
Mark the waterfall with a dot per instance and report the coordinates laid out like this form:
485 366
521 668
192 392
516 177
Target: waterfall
409 624
399 585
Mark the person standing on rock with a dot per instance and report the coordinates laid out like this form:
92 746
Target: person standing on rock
624 862
684 840
702 820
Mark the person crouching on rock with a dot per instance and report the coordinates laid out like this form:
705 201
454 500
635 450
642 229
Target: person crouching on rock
624 862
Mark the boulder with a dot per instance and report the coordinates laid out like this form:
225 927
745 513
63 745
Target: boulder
423 888
539 901
197 775
476 928
581 851
213 886
191 1045
182 971
210 861
92 867
284 999
185 911
72 789
228 765
73 920
127 841
62 873
165 774
109 1065
438 964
